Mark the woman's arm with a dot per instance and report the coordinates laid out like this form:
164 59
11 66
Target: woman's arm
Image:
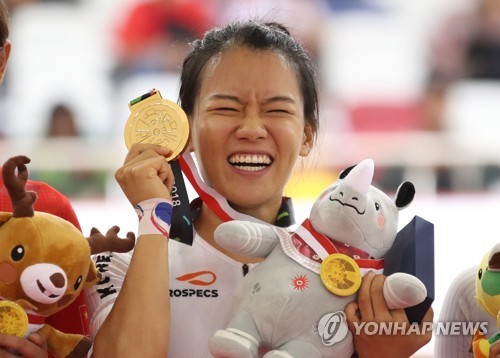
371 307
138 323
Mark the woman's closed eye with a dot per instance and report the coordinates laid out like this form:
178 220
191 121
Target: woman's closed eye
279 110
225 110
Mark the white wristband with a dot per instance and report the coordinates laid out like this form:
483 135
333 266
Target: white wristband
155 216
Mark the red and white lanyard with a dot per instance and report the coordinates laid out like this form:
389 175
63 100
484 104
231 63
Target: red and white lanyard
324 247
216 202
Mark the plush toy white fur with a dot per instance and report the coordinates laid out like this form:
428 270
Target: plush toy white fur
282 304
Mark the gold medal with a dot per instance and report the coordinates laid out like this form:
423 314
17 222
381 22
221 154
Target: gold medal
156 120
340 274
13 319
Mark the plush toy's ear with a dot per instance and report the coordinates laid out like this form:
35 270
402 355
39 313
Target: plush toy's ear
92 277
346 171
404 195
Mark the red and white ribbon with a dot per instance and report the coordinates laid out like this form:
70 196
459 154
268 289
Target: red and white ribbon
323 247
216 202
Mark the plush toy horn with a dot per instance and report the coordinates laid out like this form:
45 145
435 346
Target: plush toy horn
110 242
360 177
22 201
22 206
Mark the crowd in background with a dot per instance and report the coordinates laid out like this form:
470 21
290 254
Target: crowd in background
388 65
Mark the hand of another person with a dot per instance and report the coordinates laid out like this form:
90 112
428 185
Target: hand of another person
33 347
371 307
145 173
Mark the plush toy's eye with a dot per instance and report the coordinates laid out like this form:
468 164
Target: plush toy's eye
377 206
17 253
480 273
78 282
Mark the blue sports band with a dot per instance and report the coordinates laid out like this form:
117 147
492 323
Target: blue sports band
155 217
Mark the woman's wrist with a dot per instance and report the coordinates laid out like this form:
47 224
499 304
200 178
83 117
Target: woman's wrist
155 216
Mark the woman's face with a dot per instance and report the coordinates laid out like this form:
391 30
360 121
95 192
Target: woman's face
248 127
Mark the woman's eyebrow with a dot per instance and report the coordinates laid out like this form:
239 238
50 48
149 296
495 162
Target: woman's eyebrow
237 99
280 99
224 96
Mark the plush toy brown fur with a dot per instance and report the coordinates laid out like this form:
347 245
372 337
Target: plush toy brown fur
45 261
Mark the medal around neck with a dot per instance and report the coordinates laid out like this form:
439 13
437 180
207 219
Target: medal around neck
155 120
340 274
13 319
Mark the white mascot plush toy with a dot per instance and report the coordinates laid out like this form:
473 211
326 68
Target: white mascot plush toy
292 303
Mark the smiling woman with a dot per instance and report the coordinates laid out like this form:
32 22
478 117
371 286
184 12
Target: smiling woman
250 92
255 108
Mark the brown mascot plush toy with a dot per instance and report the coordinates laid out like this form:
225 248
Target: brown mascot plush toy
44 265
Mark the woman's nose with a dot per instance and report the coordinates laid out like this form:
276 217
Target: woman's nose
252 128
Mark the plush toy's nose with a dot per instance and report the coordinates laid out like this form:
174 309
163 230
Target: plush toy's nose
58 280
45 283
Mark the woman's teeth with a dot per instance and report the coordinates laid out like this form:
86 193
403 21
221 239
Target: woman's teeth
250 162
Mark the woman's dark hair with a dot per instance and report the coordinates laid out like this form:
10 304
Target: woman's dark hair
4 22
259 36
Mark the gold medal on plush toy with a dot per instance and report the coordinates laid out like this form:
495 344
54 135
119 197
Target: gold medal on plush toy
340 274
156 120
13 319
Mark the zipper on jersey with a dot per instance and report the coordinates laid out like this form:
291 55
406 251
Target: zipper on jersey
244 269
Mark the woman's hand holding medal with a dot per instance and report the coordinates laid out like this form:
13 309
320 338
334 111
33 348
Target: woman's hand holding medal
145 174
